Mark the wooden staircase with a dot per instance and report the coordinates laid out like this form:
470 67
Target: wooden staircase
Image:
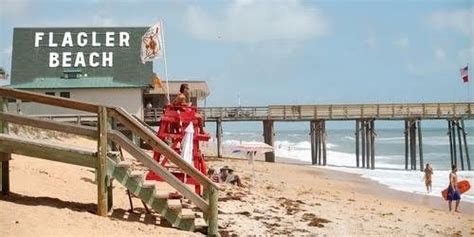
169 209
109 166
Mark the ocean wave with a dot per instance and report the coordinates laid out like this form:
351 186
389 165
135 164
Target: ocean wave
350 138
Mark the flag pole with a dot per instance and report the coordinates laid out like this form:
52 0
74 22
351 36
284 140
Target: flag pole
164 57
468 86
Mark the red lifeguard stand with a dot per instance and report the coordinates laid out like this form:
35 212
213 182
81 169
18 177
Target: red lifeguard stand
173 123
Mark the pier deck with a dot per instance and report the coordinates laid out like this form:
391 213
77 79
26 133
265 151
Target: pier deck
331 112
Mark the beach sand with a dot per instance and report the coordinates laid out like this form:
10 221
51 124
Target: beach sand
51 199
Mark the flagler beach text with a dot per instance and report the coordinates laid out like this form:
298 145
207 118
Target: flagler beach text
81 39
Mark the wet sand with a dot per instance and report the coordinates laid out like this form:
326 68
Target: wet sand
374 188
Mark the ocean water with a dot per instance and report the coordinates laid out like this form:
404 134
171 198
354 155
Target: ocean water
293 143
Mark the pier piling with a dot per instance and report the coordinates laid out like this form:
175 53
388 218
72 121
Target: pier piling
420 145
357 134
406 145
268 136
465 145
372 142
314 145
460 144
219 137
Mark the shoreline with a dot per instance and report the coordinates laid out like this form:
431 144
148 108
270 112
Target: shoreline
375 188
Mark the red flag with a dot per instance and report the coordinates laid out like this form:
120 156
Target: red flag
465 74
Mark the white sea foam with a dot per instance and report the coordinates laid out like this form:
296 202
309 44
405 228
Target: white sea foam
412 181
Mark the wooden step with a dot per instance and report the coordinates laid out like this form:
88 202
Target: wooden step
148 184
187 214
136 175
174 204
161 195
124 164
199 222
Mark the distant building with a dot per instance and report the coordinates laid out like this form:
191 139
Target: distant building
98 65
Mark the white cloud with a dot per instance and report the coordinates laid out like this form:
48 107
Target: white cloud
460 20
256 21
402 43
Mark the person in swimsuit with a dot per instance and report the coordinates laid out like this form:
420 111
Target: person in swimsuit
453 192
428 177
182 100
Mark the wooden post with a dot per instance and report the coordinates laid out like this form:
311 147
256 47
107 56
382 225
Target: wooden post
460 145
420 145
312 132
406 144
466 146
212 213
372 142
219 137
413 144
368 149
318 142
450 142
4 157
364 137
324 141
112 146
357 141
101 162
268 135
453 135
135 139
18 107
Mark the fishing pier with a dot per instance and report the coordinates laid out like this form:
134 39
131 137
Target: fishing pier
364 116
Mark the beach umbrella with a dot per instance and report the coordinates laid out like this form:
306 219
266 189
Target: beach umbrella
251 149
255 147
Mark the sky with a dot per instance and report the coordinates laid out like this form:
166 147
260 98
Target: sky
287 52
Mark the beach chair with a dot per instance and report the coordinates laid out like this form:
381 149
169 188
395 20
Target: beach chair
172 130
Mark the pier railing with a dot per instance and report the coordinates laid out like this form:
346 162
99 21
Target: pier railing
331 112
377 111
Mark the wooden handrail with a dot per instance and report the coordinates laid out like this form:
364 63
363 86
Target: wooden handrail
157 144
47 99
144 158
51 125
117 137
46 150
121 116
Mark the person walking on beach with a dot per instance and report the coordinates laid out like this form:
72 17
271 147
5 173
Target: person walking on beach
428 177
453 192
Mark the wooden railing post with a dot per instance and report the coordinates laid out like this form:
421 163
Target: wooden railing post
213 210
4 157
112 125
101 162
